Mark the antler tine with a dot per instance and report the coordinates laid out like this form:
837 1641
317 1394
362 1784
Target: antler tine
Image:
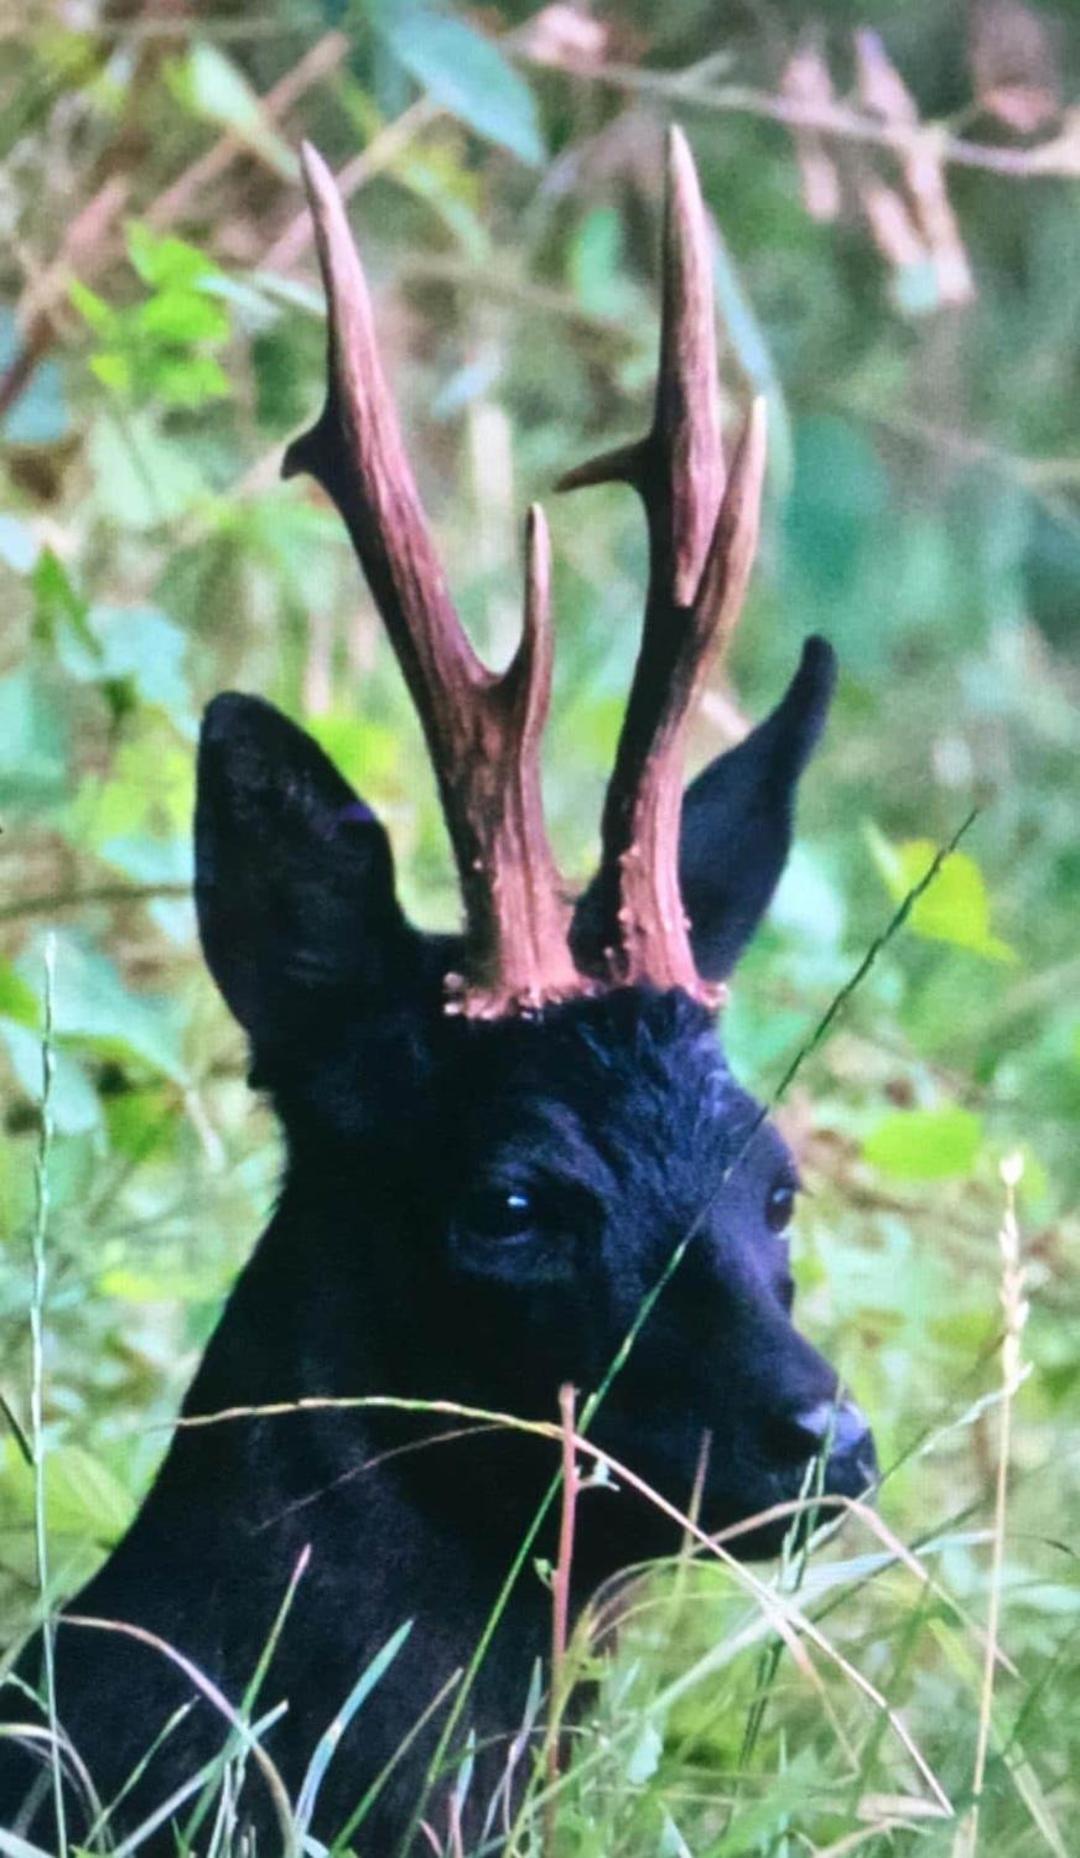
483 731
702 538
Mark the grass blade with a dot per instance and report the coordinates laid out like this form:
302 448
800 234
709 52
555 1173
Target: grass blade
328 1741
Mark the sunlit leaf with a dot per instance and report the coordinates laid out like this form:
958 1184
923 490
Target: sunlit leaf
955 908
190 380
82 1496
925 1145
113 370
149 796
168 1284
94 310
176 315
17 1000
165 261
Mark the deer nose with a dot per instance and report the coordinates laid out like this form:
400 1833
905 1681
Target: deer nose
842 1428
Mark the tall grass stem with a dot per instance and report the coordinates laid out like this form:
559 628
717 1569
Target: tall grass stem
38 1292
1015 1308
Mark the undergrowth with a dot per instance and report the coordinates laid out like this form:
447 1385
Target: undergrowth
913 1684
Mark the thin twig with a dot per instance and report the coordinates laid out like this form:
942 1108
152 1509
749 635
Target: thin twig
1058 156
291 244
46 904
85 246
84 242
319 62
192 24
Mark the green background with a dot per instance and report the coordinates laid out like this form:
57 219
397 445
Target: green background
160 328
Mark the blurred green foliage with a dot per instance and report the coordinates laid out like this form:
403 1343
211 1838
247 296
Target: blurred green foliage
915 331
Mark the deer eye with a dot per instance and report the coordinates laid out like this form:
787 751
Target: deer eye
499 1213
779 1206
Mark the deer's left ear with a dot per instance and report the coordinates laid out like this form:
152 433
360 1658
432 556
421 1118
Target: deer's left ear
737 820
738 815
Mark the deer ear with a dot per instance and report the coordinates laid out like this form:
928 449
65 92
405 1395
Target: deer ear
738 815
736 825
294 878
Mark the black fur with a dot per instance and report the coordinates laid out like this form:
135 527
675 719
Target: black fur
384 1271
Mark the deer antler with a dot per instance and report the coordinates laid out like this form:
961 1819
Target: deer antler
483 731
702 540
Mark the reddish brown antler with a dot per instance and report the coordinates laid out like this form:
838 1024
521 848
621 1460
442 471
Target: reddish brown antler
702 540
483 731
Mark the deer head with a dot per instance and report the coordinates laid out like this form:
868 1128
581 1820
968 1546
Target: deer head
540 1106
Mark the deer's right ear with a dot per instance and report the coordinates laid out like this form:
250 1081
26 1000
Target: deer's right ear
294 878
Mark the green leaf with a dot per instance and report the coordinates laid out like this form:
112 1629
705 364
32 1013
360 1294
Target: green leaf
148 795
595 259
644 1757
83 1498
435 176
328 1741
142 480
955 908
190 380
17 1000
141 646
166 262
58 604
93 309
75 1107
91 1001
925 1145
916 288
113 370
755 1826
165 1284
19 546
149 860
215 88
40 415
33 741
176 315
465 73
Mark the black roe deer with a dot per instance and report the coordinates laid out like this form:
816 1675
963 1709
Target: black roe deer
495 1144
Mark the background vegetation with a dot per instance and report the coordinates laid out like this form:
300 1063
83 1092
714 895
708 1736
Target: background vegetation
895 190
